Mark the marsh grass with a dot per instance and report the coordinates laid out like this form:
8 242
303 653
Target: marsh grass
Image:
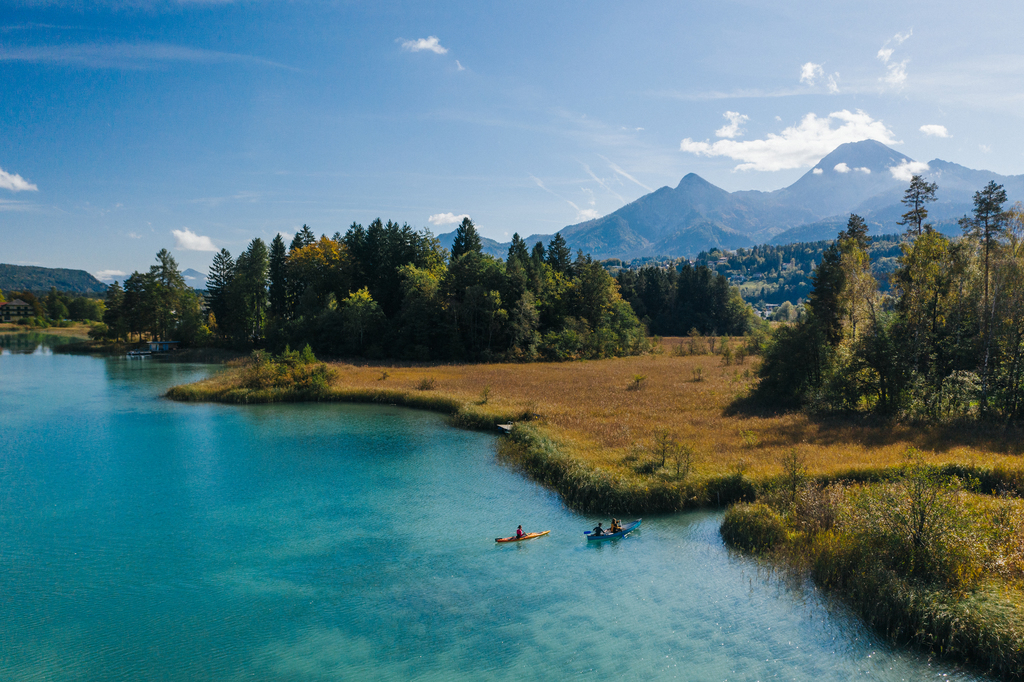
919 556
584 408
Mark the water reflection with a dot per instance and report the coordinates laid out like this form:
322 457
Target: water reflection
33 342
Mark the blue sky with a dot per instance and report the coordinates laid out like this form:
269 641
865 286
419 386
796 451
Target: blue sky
132 126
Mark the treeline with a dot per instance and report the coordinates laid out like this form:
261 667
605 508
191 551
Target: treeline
947 341
56 308
676 300
387 290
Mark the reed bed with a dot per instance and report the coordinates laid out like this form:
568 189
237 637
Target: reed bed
919 556
603 417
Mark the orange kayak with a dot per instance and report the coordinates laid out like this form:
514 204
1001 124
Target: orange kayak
528 536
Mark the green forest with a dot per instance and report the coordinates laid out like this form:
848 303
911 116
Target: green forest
945 342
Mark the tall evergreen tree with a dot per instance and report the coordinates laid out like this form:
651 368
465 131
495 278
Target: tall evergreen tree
559 255
249 290
467 239
222 271
278 291
916 197
857 230
517 249
167 287
113 316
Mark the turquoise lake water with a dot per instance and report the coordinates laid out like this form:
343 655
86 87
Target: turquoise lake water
142 539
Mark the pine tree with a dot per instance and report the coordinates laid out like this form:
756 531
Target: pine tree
466 239
303 237
917 195
278 284
218 283
559 256
517 249
857 230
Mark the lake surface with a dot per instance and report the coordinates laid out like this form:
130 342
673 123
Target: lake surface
142 539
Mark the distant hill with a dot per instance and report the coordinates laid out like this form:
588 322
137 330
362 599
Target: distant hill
34 278
696 216
194 278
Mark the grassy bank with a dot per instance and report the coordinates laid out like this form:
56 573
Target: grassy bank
922 557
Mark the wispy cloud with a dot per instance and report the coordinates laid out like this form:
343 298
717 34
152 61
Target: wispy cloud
906 170
188 240
732 128
895 72
935 130
15 182
126 55
626 175
108 275
431 44
439 219
582 214
798 146
459 66
602 183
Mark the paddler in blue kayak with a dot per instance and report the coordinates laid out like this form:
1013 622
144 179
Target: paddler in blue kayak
615 527
599 530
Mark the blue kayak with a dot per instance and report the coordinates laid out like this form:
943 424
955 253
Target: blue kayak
610 536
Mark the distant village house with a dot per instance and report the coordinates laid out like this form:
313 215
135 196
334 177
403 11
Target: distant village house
15 310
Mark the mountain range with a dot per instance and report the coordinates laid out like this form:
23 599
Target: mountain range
39 279
867 178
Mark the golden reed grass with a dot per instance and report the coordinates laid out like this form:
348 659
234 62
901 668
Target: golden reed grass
597 414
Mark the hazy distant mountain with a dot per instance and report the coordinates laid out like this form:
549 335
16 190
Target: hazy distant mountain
194 279
856 177
489 245
34 278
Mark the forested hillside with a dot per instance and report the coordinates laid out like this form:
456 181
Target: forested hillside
38 279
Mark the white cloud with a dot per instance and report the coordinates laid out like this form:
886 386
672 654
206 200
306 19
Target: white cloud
432 44
908 169
935 130
732 128
811 72
459 66
107 275
896 74
798 146
446 218
833 83
585 213
15 182
190 241
985 148
900 37
885 54
841 168
817 171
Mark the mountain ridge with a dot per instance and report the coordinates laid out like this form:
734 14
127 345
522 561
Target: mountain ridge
866 177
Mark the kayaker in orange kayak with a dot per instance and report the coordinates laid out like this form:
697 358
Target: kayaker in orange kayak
519 532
